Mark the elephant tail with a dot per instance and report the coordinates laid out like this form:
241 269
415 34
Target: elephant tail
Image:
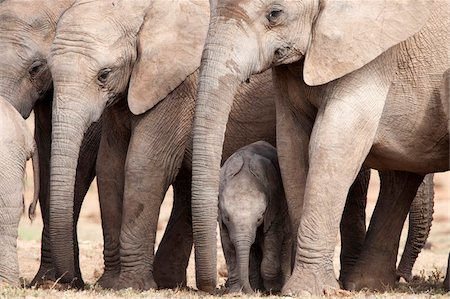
35 162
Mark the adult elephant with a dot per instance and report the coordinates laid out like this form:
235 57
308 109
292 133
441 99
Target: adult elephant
140 155
357 82
27 28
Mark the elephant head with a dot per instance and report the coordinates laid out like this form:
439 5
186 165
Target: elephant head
245 37
104 52
27 29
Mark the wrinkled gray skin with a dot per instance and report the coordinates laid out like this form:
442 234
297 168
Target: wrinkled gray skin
383 84
353 224
91 63
27 29
16 146
445 96
253 211
140 156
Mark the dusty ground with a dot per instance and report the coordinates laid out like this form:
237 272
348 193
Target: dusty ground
429 267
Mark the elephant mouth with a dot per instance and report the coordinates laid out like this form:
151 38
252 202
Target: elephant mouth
286 55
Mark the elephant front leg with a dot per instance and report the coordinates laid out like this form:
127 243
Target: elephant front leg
376 267
343 133
170 265
155 155
353 223
293 130
110 178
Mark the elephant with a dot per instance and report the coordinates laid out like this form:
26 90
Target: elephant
17 146
120 62
253 212
27 28
356 83
141 78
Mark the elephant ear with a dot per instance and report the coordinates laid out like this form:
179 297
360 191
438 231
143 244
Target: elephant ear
270 177
232 167
170 44
349 34
258 167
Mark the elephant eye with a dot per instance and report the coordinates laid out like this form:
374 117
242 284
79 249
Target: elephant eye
35 68
103 75
274 14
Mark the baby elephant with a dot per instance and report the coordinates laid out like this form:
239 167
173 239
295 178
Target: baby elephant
253 219
16 147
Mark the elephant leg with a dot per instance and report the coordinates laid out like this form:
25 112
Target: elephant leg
447 277
293 132
85 175
254 273
170 265
110 177
272 258
337 151
155 155
376 267
420 217
42 135
353 223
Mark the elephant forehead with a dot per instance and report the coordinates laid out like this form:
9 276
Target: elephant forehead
87 27
243 192
242 10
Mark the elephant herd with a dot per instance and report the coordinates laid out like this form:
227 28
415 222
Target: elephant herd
148 94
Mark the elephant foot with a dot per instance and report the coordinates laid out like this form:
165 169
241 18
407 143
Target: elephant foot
370 277
311 281
406 275
273 286
137 280
45 274
168 278
109 279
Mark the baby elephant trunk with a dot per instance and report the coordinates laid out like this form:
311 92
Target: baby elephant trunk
243 253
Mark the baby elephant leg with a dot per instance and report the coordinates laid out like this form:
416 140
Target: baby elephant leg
271 271
9 222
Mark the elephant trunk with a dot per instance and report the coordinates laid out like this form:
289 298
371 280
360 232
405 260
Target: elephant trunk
243 260
420 218
70 121
219 80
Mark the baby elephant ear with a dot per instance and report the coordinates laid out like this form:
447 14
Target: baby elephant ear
350 33
259 168
170 45
233 165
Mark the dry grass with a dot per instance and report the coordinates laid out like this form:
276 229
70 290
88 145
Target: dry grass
428 271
